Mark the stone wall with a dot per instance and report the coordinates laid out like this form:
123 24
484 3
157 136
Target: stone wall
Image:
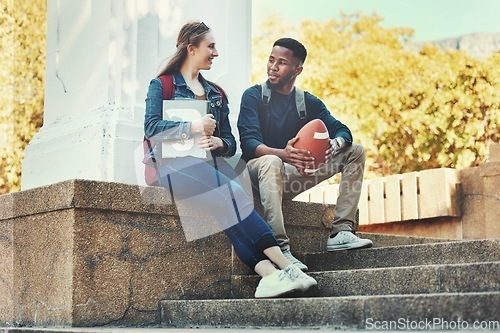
84 253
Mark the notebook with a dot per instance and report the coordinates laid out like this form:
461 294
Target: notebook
184 110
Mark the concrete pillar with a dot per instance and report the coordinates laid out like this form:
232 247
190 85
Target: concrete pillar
481 198
101 56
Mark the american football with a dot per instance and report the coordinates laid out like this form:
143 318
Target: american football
314 137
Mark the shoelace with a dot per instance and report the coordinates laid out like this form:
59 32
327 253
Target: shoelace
295 274
350 236
290 257
281 276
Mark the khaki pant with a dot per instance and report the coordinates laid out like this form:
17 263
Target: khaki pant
274 180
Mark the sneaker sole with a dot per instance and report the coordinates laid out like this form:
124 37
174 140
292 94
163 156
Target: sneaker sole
348 246
306 287
273 294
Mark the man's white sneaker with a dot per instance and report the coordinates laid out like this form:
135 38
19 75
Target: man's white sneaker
296 274
276 284
346 240
294 260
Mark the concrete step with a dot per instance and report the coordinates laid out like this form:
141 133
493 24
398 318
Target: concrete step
379 240
142 329
385 240
471 277
455 252
352 312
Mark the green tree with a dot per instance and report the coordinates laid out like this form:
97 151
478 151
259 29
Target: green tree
411 110
22 33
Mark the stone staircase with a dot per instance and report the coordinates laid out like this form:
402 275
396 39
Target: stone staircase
443 284
104 257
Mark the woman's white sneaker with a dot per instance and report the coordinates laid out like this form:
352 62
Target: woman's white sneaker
346 240
297 275
276 284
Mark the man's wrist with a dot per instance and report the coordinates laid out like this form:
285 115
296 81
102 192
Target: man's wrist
341 141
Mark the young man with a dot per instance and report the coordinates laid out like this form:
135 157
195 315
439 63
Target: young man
277 169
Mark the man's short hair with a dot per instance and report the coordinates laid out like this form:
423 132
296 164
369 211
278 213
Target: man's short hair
299 51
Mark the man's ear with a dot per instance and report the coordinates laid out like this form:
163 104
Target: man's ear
298 70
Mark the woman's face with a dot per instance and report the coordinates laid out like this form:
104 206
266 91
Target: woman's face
205 53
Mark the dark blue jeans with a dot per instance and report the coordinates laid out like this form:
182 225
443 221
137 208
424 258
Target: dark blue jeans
210 198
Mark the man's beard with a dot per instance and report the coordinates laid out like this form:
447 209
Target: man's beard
280 84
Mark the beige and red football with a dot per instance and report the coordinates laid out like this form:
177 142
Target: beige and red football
314 137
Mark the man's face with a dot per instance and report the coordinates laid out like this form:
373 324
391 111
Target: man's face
282 68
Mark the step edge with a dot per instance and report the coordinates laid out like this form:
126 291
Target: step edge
303 299
495 241
430 266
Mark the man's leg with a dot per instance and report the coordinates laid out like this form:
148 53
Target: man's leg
295 183
267 173
351 164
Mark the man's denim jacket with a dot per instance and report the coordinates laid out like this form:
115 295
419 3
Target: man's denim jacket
157 129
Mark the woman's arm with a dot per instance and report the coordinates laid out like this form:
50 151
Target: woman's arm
154 126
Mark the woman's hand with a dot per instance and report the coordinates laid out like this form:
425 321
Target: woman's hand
210 143
206 125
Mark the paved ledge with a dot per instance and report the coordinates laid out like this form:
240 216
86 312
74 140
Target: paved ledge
148 330
79 193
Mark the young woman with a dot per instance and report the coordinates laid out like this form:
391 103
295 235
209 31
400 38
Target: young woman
212 179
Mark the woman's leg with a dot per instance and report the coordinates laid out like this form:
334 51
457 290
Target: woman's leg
255 246
275 254
265 268
199 188
251 236
204 198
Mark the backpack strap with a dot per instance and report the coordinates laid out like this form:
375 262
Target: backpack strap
151 148
221 91
300 101
266 96
167 81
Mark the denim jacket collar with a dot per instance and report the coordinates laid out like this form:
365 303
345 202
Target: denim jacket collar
211 91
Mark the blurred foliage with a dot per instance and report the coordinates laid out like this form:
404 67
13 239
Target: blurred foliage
22 33
410 110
